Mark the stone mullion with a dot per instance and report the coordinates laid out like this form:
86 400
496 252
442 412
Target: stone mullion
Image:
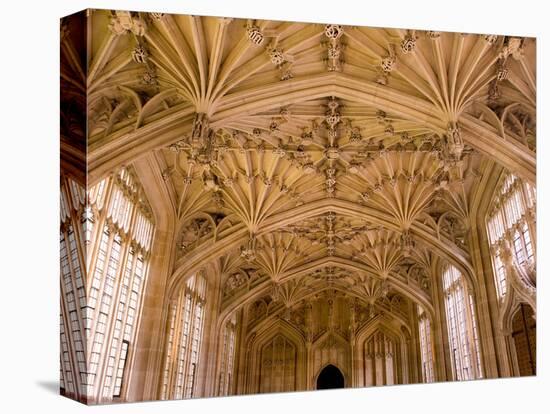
239 334
208 349
416 350
439 327
187 357
470 320
167 366
230 372
200 365
241 365
201 357
176 346
405 357
215 368
432 348
219 380
417 347
458 362
468 336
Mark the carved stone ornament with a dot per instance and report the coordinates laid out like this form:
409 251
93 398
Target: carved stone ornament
453 141
235 281
388 64
157 16
355 135
200 126
248 252
330 181
407 243
139 54
307 137
408 44
491 39
433 34
513 46
150 76
502 70
333 31
276 56
123 22
255 35
332 116
332 153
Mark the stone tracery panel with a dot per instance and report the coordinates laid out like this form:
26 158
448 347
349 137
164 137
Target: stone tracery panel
381 360
278 366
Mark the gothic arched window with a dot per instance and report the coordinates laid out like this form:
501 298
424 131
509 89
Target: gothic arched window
184 340
114 232
228 357
426 346
509 222
73 289
461 326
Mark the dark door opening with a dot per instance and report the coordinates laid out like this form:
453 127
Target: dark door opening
330 377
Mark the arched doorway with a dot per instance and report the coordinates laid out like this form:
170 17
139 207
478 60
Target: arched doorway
330 377
525 340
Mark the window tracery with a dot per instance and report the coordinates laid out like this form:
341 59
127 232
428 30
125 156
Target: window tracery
278 365
461 326
73 292
426 346
510 225
184 340
110 231
348 147
381 355
228 357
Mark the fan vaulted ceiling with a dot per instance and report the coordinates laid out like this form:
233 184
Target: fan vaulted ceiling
302 158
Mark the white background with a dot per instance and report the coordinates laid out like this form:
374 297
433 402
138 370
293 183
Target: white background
29 159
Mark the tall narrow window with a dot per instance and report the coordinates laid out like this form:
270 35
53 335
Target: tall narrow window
511 220
73 290
184 340
109 234
120 229
461 326
227 358
426 346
